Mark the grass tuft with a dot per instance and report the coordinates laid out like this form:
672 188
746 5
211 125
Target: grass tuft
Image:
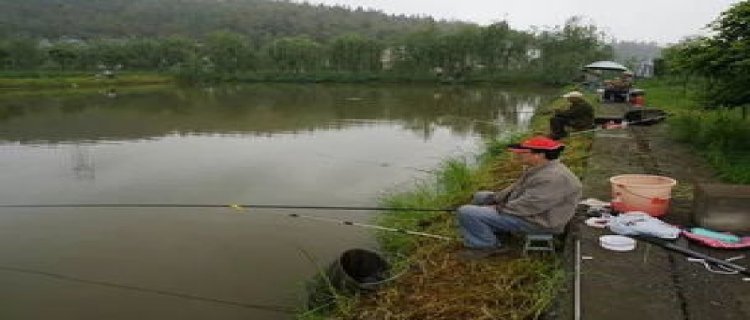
719 134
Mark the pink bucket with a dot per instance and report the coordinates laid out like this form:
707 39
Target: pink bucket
642 192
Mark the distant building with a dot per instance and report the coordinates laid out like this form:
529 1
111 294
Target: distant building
644 69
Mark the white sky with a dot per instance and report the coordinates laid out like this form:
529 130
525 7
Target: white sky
663 21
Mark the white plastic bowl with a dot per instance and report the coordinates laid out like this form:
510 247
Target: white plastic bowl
617 243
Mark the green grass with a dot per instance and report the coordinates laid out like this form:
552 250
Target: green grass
719 134
391 76
451 185
329 298
73 80
33 74
671 95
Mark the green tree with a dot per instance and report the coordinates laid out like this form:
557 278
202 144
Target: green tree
141 54
678 59
420 52
229 52
175 52
723 59
496 42
64 54
23 54
105 53
355 53
296 54
565 50
4 55
459 51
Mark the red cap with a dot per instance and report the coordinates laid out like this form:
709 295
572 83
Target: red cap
536 143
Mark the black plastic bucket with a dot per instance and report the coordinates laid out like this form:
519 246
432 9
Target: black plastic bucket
356 271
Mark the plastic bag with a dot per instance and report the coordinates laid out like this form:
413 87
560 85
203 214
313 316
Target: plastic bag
641 223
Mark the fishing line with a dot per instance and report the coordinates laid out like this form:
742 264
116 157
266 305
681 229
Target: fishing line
489 122
234 206
371 226
373 162
622 124
272 308
243 207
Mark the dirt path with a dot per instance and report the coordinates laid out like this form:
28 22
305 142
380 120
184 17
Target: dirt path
651 283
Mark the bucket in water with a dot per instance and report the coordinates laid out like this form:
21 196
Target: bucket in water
355 271
642 192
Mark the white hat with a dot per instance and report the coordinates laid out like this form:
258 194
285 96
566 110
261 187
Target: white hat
573 94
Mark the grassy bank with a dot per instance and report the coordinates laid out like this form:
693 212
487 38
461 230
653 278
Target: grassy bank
197 76
720 135
75 79
59 80
437 284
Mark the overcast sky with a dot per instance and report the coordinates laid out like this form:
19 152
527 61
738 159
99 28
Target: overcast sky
663 21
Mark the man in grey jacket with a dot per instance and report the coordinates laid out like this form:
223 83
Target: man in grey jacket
543 199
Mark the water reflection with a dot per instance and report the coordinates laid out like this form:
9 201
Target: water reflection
82 163
260 110
260 144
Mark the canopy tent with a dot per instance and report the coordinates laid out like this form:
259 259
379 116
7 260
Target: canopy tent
606 65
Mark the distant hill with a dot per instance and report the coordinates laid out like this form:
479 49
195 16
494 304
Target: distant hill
260 20
264 40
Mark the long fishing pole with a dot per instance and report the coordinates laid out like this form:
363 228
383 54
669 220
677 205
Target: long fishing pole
371 226
692 253
246 206
243 207
622 124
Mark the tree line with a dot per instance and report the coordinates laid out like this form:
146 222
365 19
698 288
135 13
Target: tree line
720 63
710 76
470 52
258 20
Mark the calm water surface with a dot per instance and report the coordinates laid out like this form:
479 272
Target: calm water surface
256 144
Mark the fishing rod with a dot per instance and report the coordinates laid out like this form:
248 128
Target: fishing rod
372 226
243 207
695 254
233 206
622 124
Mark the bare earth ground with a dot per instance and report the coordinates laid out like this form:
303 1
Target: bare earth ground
651 282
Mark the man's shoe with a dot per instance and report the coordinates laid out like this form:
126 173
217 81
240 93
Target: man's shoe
470 254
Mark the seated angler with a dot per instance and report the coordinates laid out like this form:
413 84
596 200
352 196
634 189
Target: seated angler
579 115
543 199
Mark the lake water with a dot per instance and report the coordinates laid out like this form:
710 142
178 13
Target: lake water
330 145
